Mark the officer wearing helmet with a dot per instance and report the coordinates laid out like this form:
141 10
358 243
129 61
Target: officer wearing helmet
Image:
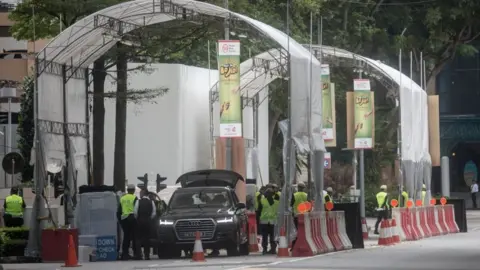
382 206
328 195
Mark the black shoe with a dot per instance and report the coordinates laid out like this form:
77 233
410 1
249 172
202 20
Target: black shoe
375 232
272 251
147 259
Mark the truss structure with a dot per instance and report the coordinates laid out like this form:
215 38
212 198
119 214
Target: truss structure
59 128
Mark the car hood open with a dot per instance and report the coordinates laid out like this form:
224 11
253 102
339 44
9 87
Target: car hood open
212 178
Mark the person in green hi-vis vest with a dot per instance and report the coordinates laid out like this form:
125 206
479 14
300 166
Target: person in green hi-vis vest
125 215
13 206
268 208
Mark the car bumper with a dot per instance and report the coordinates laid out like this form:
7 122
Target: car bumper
225 235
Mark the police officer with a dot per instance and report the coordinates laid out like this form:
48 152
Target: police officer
424 193
14 206
276 192
328 195
126 217
382 202
404 197
268 208
144 212
297 198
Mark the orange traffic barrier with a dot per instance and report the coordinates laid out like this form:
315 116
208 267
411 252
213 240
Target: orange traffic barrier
282 244
71 260
198 255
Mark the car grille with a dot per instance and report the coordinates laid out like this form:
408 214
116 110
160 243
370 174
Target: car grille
186 229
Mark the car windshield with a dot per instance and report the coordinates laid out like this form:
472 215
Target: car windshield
202 198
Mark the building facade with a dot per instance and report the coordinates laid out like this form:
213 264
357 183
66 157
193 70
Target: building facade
458 86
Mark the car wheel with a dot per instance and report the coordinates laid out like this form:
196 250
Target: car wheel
234 248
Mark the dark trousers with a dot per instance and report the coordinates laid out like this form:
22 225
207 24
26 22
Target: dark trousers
295 222
143 238
474 199
381 216
128 227
268 233
257 213
11 221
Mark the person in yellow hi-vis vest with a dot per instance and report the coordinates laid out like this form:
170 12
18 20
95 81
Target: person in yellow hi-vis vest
13 209
258 197
382 206
125 215
268 208
327 196
404 198
424 193
297 198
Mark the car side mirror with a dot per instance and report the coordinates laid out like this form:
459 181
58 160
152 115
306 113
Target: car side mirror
241 206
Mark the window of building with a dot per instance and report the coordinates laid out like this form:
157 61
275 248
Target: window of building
5 31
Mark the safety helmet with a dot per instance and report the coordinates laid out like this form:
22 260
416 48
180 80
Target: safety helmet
330 189
383 187
301 184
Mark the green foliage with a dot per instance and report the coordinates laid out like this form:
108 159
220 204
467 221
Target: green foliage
50 14
26 127
13 241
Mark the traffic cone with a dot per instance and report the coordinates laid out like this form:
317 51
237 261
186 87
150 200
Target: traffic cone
282 244
253 240
198 255
395 235
388 231
71 260
382 240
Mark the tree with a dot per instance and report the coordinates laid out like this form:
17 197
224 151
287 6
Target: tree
26 127
50 16
440 29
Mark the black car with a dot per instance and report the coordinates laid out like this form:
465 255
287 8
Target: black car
205 203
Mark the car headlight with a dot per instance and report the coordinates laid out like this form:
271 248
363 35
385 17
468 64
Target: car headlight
166 222
225 220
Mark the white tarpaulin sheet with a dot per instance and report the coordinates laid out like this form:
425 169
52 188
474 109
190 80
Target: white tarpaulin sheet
84 42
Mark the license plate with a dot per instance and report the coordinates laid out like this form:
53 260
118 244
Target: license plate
192 234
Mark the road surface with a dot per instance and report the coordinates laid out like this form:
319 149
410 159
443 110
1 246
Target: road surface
449 252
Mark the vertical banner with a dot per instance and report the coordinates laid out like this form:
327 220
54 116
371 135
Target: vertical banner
434 129
333 141
229 88
327 106
363 114
327 163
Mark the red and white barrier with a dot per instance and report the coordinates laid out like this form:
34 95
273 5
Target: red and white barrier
423 222
321 232
417 234
431 221
342 230
441 219
450 218
316 221
399 215
303 247
332 229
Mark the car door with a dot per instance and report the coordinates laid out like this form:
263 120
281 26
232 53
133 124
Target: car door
242 219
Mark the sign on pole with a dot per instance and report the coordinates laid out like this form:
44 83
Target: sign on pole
229 88
327 162
364 117
328 107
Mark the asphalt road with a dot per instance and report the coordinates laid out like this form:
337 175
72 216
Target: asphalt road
450 252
